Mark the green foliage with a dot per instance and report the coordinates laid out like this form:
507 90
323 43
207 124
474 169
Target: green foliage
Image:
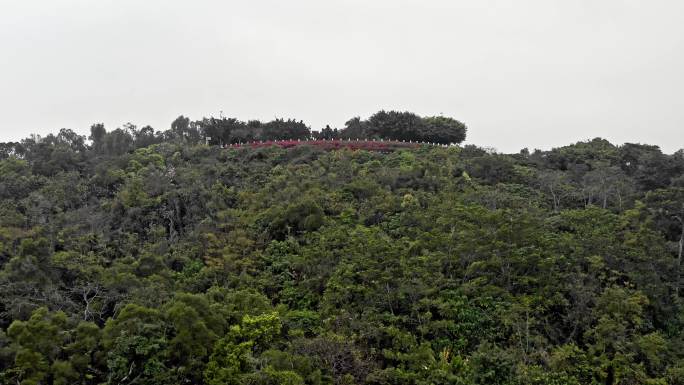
233 359
149 257
404 126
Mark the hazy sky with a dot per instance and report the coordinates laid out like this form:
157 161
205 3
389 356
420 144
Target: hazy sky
519 73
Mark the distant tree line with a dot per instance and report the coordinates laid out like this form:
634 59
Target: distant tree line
388 125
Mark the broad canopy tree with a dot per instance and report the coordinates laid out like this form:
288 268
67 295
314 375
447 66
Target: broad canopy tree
407 126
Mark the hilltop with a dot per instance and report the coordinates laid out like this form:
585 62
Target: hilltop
143 257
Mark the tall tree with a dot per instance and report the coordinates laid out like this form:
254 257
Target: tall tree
97 135
668 204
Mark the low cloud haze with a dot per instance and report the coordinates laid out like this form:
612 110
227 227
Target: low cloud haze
520 73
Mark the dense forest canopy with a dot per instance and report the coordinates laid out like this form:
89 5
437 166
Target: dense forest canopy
142 257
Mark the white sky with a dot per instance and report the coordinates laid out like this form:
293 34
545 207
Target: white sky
519 73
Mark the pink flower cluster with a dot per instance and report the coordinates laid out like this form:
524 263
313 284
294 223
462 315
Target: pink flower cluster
334 144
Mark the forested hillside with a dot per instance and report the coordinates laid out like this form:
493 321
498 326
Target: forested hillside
143 257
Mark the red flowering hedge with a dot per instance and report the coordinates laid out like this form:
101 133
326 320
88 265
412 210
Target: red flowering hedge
369 145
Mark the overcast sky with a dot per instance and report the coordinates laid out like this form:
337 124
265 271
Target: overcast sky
519 73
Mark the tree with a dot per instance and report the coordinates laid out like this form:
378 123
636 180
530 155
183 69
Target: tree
396 125
355 128
620 321
233 356
37 343
144 137
406 126
11 149
279 129
180 126
327 133
647 165
558 184
117 142
194 332
97 135
602 182
668 204
135 343
444 130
